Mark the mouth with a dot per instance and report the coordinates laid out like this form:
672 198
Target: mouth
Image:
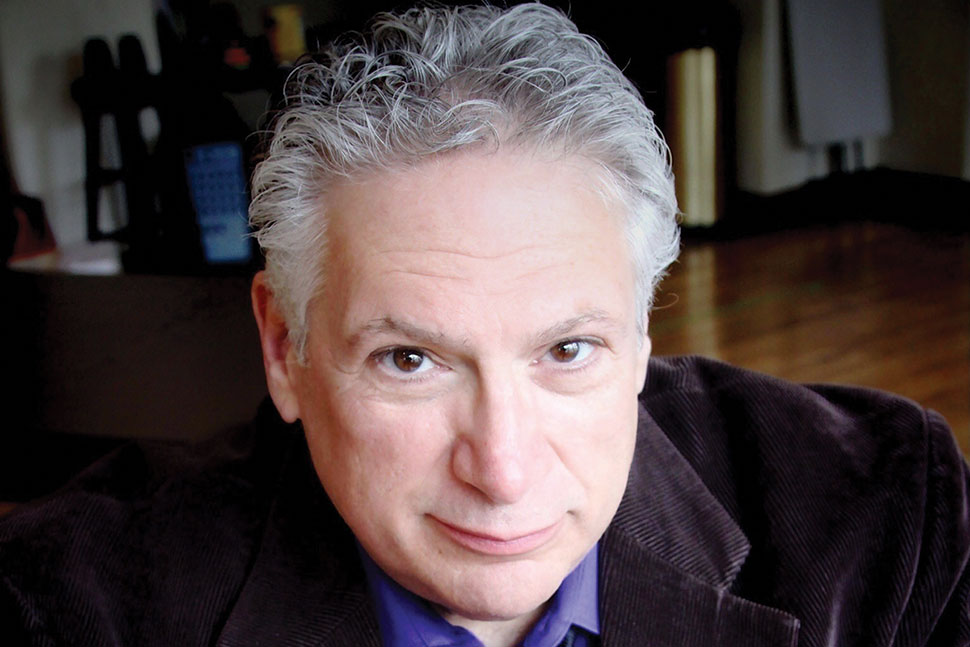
491 545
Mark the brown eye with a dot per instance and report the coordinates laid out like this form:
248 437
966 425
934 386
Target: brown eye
566 351
407 360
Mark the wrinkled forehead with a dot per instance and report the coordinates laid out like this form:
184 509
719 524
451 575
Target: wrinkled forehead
514 193
484 205
485 222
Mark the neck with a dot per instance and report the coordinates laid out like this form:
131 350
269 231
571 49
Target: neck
497 633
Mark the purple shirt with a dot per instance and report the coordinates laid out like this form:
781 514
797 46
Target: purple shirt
406 620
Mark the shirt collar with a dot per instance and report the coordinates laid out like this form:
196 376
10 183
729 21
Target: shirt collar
576 603
405 619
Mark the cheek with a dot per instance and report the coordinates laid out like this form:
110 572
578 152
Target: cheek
371 457
595 439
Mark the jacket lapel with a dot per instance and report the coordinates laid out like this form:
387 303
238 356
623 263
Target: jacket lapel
669 558
306 586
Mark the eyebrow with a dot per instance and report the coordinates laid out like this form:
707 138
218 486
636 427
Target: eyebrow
563 328
420 335
392 325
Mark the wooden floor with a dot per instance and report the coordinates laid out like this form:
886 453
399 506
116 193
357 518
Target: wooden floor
862 303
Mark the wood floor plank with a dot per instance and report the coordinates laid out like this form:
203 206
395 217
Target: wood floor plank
876 305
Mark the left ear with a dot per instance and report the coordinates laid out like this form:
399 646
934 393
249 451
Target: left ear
643 356
278 354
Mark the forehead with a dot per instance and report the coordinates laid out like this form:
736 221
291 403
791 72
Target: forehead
483 204
488 243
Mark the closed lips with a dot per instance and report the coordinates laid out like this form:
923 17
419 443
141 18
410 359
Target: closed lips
489 544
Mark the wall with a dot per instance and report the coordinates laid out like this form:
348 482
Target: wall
928 47
966 116
929 67
40 54
769 157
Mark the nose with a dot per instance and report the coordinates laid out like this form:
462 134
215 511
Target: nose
498 448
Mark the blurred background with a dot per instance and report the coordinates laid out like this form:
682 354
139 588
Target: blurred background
821 148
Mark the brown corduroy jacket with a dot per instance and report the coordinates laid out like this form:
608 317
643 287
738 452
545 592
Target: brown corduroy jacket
757 513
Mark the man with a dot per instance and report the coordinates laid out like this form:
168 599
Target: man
464 217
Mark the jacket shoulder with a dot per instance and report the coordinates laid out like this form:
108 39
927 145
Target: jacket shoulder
854 500
152 536
723 417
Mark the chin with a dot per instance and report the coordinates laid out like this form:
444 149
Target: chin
503 592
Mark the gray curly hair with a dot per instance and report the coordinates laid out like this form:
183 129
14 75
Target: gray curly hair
437 79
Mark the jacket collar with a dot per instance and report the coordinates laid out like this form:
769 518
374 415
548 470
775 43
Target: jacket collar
670 557
306 586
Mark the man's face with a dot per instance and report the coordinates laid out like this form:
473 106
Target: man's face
473 364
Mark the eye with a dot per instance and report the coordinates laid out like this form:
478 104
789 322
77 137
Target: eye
405 360
570 351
